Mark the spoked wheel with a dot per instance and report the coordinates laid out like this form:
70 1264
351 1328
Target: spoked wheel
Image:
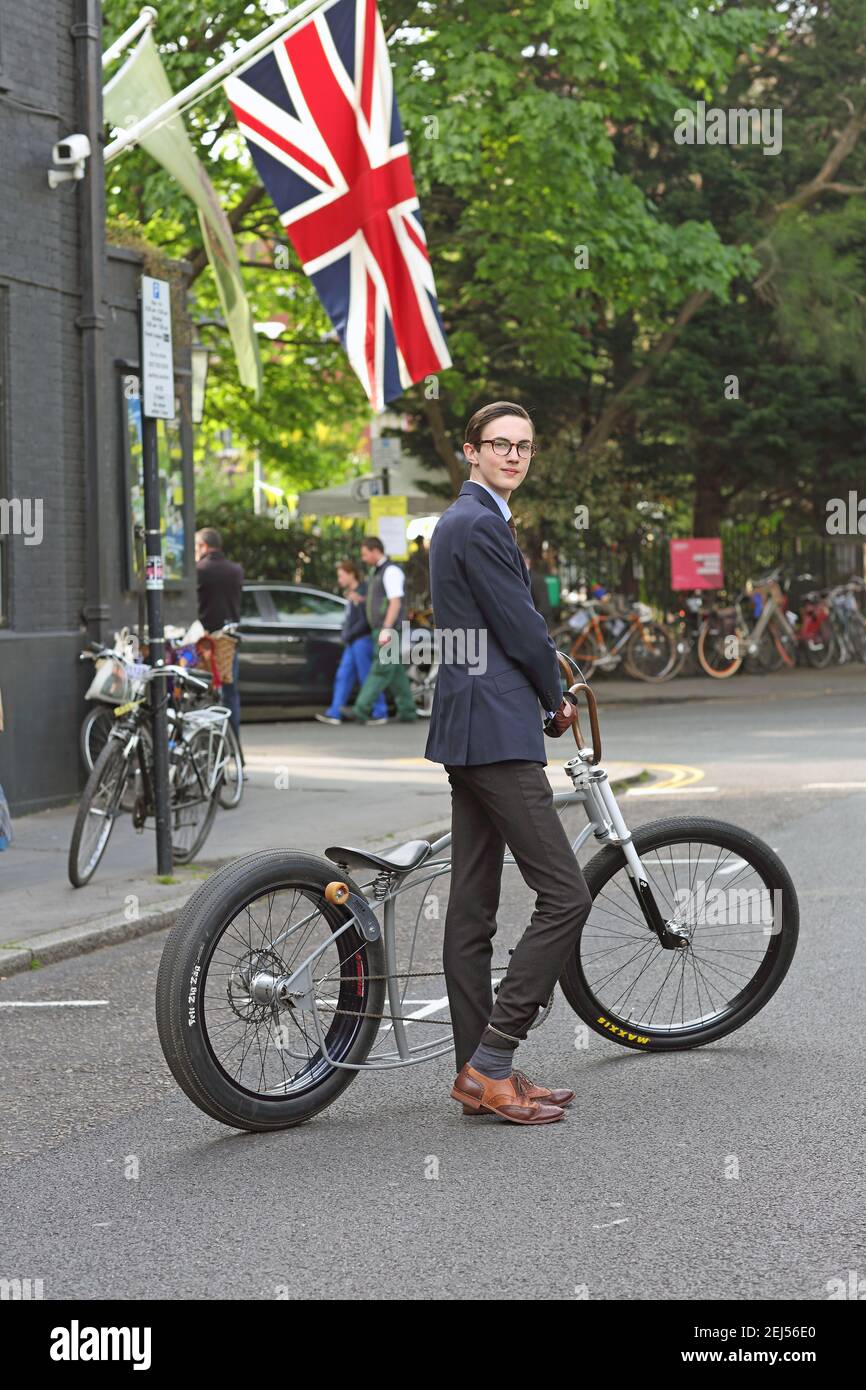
97 811
584 648
241 1042
651 653
734 901
232 788
719 648
195 792
98 724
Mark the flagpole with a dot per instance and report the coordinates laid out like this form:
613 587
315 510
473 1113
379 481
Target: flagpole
146 20
209 79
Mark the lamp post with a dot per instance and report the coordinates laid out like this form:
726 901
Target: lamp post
200 356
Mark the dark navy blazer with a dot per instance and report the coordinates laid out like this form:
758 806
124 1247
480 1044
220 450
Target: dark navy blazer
478 582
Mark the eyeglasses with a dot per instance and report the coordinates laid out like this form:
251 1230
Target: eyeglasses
502 447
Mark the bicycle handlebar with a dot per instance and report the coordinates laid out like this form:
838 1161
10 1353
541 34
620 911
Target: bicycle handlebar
180 672
592 707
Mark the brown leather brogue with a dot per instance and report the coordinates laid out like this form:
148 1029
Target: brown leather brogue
558 1097
508 1099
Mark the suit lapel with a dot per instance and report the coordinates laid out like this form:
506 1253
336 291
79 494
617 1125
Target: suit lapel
470 489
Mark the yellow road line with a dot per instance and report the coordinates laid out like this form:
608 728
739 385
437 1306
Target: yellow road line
679 775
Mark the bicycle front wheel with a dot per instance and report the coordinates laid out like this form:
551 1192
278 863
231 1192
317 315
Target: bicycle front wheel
95 730
734 899
244 1053
97 811
719 649
651 653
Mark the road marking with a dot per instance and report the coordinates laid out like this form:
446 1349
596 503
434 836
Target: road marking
678 775
670 791
833 786
53 1003
432 1007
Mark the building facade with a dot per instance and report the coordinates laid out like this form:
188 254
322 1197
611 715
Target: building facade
69 490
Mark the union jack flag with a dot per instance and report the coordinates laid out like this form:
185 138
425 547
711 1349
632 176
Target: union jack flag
320 117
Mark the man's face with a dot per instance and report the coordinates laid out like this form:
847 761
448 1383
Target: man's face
504 474
200 549
370 557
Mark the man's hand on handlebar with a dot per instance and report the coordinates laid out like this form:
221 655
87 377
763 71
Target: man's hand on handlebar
562 718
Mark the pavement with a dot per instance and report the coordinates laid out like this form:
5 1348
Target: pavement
311 785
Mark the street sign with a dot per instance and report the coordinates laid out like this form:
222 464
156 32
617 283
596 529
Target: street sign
696 564
157 358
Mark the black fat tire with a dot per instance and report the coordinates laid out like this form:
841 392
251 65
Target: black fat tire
656 835
191 942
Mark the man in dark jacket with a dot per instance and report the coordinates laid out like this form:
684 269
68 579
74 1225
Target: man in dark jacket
219 584
486 727
385 612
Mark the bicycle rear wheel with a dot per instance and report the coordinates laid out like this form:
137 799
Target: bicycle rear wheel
232 787
734 898
97 812
651 653
243 1055
195 792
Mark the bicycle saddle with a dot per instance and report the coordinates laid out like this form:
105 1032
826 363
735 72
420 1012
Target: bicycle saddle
401 860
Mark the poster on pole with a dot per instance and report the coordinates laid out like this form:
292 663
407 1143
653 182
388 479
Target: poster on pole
157 360
388 521
696 563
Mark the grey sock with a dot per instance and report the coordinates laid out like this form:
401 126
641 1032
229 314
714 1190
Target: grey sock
492 1061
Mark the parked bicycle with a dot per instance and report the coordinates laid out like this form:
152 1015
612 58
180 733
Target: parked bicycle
600 635
272 987
197 760
753 631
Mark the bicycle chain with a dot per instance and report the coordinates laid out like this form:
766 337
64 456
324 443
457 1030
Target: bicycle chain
400 1018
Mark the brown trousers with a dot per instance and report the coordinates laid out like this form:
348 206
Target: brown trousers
494 805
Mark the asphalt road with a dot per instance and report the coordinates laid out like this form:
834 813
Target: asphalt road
732 1171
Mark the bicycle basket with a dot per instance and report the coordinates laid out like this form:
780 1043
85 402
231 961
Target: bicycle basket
110 683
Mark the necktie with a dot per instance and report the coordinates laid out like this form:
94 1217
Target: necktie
512 528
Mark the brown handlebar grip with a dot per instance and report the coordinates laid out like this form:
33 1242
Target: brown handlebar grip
592 707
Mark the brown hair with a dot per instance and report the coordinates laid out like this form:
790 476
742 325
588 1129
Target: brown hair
373 543
476 424
210 537
350 567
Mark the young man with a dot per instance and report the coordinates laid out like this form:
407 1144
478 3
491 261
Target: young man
357 655
219 583
385 611
487 730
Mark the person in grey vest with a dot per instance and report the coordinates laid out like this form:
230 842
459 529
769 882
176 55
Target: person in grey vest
486 727
385 613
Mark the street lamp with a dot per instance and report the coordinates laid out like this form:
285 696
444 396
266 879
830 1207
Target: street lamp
200 356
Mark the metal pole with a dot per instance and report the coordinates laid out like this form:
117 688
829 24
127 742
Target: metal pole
209 79
156 636
146 19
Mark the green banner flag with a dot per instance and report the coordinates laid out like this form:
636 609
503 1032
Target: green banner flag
138 88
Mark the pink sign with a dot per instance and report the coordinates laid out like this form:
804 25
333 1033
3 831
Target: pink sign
696 564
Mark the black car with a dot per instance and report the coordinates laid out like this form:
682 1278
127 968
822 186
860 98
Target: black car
290 646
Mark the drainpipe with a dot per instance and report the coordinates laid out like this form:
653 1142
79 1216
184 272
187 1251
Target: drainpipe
91 321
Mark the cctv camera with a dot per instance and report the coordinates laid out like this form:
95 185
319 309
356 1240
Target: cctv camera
73 151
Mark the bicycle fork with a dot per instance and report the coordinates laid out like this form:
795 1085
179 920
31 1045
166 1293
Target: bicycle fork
610 829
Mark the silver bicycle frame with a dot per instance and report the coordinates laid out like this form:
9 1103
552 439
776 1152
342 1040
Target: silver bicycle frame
591 788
